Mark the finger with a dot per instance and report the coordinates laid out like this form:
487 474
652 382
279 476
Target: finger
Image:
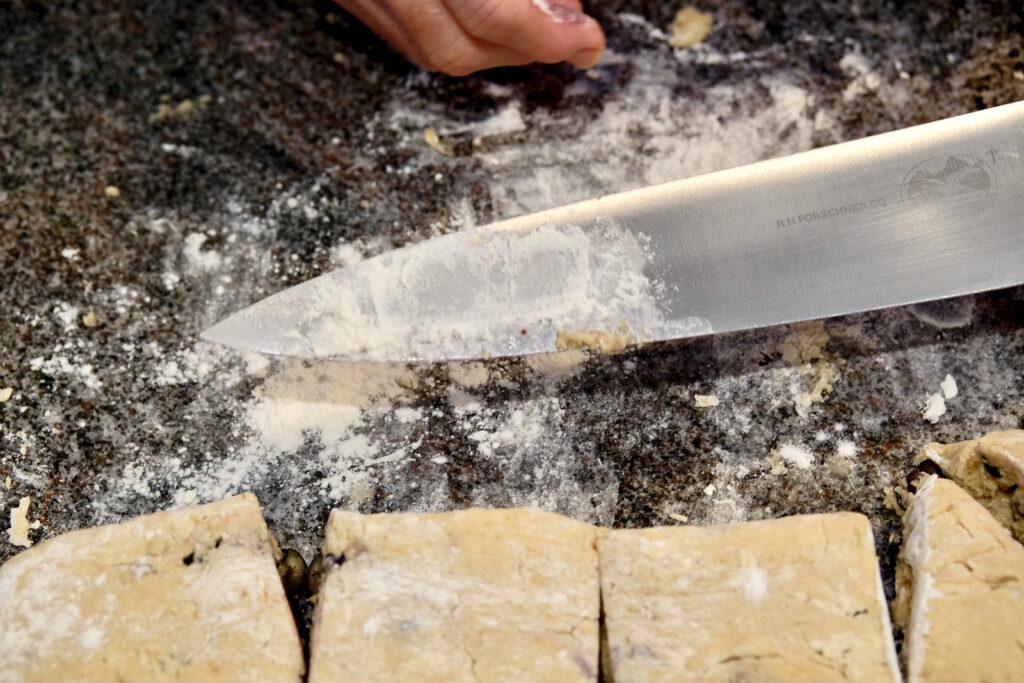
547 30
464 55
584 59
439 42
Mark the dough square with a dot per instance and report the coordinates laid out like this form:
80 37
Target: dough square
191 594
792 599
959 590
472 595
990 469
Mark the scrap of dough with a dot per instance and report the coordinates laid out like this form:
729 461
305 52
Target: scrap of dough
690 26
185 595
804 349
991 469
18 533
705 400
792 599
959 590
473 595
602 342
820 379
433 141
806 342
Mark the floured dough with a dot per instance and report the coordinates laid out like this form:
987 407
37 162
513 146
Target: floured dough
959 590
793 599
190 594
473 595
596 340
991 469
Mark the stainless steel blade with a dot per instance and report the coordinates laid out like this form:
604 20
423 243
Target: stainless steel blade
924 213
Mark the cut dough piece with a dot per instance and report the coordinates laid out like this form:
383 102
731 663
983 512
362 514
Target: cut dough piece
991 469
186 595
473 595
792 599
959 590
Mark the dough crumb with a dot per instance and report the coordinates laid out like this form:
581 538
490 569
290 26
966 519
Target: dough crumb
806 342
18 533
184 110
6 393
111 191
776 465
469 374
804 349
596 340
690 26
90 319
705 400
821 380
681 518
434 142
340 59
840 467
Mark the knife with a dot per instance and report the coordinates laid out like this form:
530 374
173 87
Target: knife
927 212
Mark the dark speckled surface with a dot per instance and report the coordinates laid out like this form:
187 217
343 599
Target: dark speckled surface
309 142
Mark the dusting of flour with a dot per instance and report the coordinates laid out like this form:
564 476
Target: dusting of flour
310 436
477 293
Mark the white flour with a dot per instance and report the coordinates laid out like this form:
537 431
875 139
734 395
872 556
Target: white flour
682 137
796 456
466 295
354 425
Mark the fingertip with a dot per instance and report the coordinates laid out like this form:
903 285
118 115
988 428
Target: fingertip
591 46
584 59
580 43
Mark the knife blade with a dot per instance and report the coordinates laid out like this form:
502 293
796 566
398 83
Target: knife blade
923 213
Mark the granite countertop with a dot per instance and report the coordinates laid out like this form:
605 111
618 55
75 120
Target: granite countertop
165 164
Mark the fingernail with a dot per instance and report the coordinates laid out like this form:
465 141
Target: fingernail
561 14
584 59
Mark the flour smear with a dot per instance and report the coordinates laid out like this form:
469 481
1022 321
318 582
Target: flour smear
472 294
331 435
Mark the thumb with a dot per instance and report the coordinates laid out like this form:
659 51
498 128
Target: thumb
546 31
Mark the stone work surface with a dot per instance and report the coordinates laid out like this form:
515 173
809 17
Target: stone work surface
164 164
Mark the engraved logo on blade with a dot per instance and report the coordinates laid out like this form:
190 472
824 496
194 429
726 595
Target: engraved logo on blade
961 176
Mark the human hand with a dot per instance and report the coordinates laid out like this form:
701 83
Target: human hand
458 37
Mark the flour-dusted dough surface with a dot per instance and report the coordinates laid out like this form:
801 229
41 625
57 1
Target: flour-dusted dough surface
792 599
190 594
473 595
959 590
991 469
